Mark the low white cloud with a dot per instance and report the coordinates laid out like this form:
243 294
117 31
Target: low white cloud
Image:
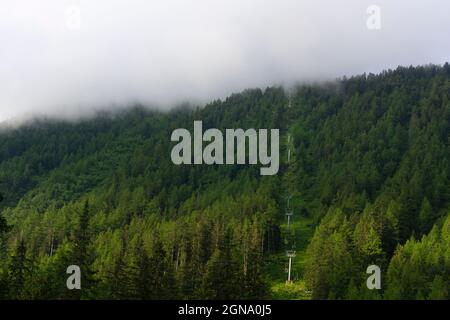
69 57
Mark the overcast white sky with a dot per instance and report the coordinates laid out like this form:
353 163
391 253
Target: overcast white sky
56 62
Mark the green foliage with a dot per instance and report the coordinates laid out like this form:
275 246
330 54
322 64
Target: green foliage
422 268
371 160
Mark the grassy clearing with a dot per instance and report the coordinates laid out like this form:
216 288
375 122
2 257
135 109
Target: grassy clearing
276 264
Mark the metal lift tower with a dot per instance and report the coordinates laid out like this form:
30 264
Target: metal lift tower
290 254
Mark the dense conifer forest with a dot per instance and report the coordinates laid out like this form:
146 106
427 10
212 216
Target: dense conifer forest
369 177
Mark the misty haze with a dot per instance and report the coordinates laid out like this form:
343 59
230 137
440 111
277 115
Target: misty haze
68 58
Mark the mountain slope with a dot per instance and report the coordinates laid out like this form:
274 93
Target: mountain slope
370 169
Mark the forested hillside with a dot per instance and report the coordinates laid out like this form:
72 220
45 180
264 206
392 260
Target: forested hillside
370 173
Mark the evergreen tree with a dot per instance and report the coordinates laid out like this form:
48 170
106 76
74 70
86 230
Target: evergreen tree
425 216
81 254
142 273
19 272
222 279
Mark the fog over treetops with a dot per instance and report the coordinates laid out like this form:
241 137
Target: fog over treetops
69 58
